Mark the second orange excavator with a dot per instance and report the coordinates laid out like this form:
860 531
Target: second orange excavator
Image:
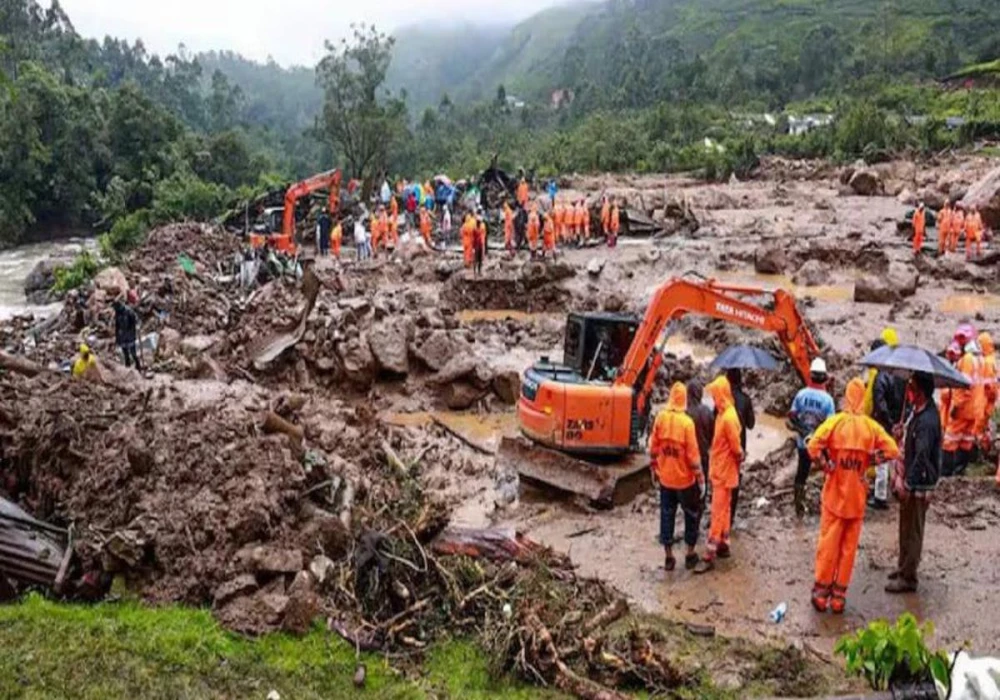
585 421
283 239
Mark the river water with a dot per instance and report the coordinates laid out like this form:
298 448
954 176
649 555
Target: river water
17 263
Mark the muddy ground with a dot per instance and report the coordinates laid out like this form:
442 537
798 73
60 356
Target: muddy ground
413 353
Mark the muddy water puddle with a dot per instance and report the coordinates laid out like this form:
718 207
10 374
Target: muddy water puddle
969 304
832 293
483 430
490 315
769 434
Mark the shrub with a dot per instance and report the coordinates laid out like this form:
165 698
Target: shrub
893 656
81 271
127 233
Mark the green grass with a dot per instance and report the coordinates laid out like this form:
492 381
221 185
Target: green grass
127 650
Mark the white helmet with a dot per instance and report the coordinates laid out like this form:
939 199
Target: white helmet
818 366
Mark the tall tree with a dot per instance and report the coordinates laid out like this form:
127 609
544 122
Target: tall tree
360 117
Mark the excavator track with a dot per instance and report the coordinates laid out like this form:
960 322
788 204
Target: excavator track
603 484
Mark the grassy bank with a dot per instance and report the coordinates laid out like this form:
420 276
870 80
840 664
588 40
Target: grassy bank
129 651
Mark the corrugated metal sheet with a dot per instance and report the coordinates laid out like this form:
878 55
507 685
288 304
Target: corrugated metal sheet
31 552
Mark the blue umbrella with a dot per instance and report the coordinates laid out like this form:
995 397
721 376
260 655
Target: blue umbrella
907 359
744 357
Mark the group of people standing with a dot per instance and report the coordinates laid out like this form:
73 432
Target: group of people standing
889 430
952 224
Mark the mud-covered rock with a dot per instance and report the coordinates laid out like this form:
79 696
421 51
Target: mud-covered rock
42 276
357 361
242 585
813 273
195 345
507 386
303 604
111 281
770 260
595 267
275 560
462 395
900 282
389 341
866 182
985 194
439 348
932 198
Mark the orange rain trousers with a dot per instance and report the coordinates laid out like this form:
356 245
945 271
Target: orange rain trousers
718 533
837 549
919 230
944 230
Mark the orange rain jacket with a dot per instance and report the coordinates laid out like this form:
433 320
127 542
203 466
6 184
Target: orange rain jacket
468 231
944 228
989 374
549 233
965 406
849 440
605 217
919 228
726 454
673 444
522 193
425 225
508 225
533 228
616 219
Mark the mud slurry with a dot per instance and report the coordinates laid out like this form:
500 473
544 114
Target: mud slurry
179 492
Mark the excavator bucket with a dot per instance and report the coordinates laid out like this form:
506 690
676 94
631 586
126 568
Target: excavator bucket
603 484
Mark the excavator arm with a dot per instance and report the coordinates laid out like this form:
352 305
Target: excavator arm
680 297
328 180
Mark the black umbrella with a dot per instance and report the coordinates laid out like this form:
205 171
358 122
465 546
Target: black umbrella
907 359
744 357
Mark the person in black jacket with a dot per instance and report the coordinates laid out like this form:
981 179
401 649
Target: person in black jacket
126 330
921 471
704 422
744 409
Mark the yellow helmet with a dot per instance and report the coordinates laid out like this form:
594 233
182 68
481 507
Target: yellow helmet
84 349
890 337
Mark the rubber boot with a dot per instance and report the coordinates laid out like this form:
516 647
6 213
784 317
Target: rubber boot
838 601
821 598
800 501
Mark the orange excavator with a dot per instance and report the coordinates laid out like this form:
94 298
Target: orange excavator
284 240
585 421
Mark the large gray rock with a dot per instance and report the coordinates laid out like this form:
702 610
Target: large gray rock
275 560
813 273
389 341
900 282
359 363
460 396
111 281
195 345
985 194
770 260
507 386
42 276
866 182
439 348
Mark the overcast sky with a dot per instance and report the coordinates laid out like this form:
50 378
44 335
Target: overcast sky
290 31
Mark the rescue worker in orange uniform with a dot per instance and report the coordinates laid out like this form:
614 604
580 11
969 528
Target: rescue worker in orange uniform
534 228
425 226
336 238
559 220
919 228
508 229
522 193
962 409
724 462
393 222
957 227
989 379
944 228
468 231
378 232
844 445
973 234
548 236
615 225
676 462
605 217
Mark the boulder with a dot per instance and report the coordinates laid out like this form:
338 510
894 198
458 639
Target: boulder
458 367
900 282
356 358
430 317
460 396
195 345
303 604
275 560
907 197
389 341
985 194
932 198
770 260
813 273
111 281
595 267
507 386
42 276
244 584
170 343
209 368
866 182
440 347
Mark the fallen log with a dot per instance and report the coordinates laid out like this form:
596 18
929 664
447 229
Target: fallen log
500 544
273 423
616 611
21 365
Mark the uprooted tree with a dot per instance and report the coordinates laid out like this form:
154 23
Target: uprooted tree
360 118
